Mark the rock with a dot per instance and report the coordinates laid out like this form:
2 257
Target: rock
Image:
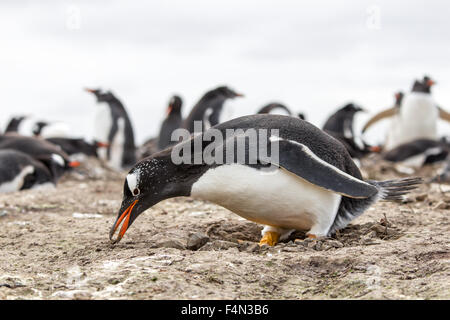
3 213
197 240
421 197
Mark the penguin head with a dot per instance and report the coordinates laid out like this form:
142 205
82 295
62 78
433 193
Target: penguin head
227 92
39 176
57 164
428 82
100 95
150 181
175 104
38 126
351 108
274 106
302 116
423 86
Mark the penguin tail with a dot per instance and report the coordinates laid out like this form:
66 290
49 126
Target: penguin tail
394 190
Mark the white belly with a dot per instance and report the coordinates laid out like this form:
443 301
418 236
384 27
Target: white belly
56 130
279 198
102 125
116 151
17 182
417 120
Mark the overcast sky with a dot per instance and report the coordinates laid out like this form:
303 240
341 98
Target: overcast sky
313 57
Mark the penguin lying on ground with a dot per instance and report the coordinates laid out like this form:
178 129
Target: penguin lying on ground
313 185
419 152
113 127
340 126
56 160
77 146
173 121
416 118
19 171
274 108
209 108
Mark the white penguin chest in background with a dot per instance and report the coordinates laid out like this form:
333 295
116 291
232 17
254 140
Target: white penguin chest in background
103 123
117 144
417 119
277 198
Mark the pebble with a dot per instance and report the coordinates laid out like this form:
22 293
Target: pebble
196 241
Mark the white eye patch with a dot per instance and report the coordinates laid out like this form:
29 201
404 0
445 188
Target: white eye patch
132 181
58 159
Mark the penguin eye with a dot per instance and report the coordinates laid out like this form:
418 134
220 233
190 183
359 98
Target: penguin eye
136 192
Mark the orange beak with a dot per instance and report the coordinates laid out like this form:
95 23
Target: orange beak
239 95
375 149
89 90
125 217
169 109
430 83
102 145
74 164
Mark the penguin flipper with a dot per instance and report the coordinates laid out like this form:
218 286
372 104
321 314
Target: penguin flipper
301 161
380 116
444 115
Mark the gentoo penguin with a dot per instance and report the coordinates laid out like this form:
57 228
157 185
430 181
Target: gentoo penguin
173 121
340 126
416 118
310 184
113 127
56 160
419 152
342 120
19 171
274 108
77 146
209 108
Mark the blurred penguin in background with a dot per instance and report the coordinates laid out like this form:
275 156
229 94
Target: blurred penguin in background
209 108
29 126
77 148
340 126
114 129
19 171
173 121
419 152
56 160
415 117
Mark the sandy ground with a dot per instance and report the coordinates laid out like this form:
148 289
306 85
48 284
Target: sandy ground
54 245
